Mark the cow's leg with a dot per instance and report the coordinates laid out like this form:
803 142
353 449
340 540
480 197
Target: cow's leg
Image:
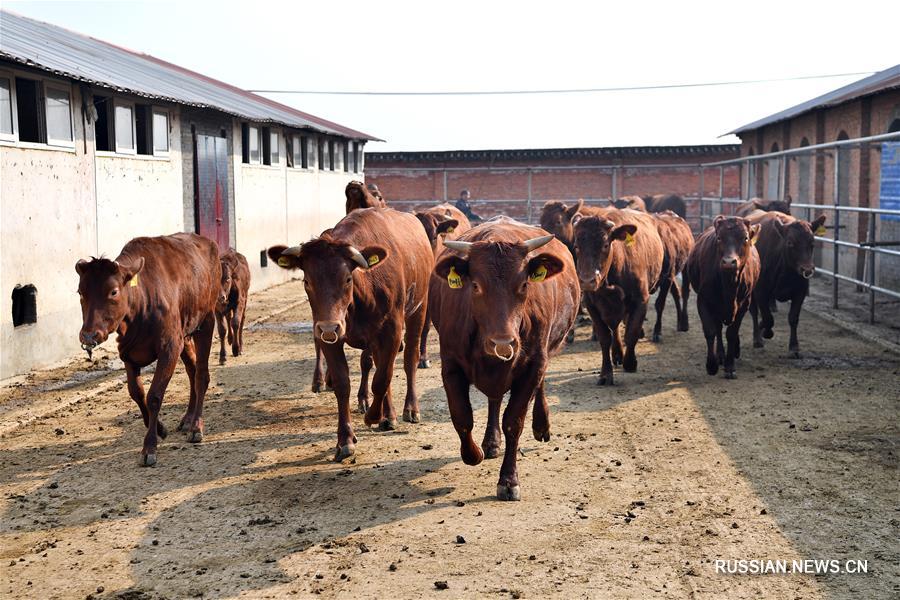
616 343
540 415
415 327
189 359
664 286
754 316
166 361
633 329
712 329
229 314
203 345
364 394
318 383
457 388
240 328
220 325
136 391
732 334
385 352
768 321
793 321
424 363
520 395
340 377
490 445
604 336
680 293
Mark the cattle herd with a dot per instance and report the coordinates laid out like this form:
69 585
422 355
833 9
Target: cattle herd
503 296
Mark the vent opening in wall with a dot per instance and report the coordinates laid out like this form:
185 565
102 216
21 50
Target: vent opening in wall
24 305
263 259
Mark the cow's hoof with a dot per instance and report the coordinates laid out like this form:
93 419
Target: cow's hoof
195 437
730 375
424 363
362 405
235 352
344 452
541 436
605 379
758 344
508 492
387 425
795 354
490 451
317 387
221 360
656 337
712 367
471 455
768 334
594 337
410 416
148 460
570 337
161 430
629 365
642 334
683 327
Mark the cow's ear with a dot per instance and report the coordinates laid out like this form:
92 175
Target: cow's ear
818 226
788 200
81 266
543 266
445 227
131 271
624 232
571 211
779 226
226 271
428 223
754 233
285 261
374 255
452 269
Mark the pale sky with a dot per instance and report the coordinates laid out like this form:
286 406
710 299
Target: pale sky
429 46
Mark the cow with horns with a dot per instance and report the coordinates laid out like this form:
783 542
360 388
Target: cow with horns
502 310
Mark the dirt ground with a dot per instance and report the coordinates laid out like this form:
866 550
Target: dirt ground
641 488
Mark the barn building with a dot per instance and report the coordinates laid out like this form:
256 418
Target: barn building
868 107
100 144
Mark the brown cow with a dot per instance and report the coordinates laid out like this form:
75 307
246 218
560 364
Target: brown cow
502 309
232 303
359 196
723 269
660 202
754 204
619 261
159 295
366 279
441 222
678 241
785 247
632 202
556 218
373 189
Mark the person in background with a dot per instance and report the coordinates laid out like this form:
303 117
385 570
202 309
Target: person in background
463 205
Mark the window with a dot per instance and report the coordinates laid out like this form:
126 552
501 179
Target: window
29 110
347 156
322 155
7 129
142 124
270 146
356 157
331 155
298 152
59 115
312 154
249 144
160 131
103 124
124 127
24 305
894 127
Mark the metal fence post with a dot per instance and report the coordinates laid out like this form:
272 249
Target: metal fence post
782 182
721 187
837 229
528 209
615 177
445 185
702 187
870 237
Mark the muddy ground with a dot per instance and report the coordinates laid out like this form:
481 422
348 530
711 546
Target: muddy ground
640 489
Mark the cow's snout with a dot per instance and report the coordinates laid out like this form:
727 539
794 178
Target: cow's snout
591 282
329 331
730 262
90 339
504 348
807 272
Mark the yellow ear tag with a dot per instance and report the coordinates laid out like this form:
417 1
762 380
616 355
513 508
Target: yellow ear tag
134 280
753 239
451 230
629 239
820 230
373 260
284 261
538 274
453 279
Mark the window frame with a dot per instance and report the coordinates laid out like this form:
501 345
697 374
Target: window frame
259 150
274 138
13 136
155 110
117 102
60 87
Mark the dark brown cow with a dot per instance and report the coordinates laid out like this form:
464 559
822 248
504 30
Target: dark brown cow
502 309
745 209
232 303
660 202
556 218
619 259
723 269
366 279
359 196
678 241
159 295
785 247
632 202
441 222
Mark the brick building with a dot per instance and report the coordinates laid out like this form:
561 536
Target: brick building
867 107
504 181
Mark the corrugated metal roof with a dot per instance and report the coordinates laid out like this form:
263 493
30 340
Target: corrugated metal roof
373 158
883 80
76 56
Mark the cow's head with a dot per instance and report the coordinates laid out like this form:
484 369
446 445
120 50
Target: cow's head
328 267
556 218
594 239
798 238
734 238
358 196
496 276
224 288
634 202
436 226
104 286
782 206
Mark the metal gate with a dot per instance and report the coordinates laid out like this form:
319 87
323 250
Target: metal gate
211 188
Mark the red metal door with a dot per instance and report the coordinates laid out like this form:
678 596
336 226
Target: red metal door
211 188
